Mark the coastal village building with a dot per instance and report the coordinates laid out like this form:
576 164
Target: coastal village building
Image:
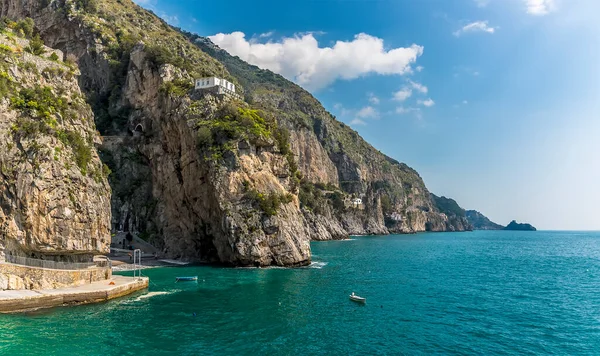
353 203
357 203
217 86
395 216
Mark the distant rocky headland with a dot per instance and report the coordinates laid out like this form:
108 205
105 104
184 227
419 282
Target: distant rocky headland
481 222
521 227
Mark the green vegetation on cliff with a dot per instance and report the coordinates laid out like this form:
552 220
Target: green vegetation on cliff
448 206
118 27
317 197
230 125
121 24
269 203
43 109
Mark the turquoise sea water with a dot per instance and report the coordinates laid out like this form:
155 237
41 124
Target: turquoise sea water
447 293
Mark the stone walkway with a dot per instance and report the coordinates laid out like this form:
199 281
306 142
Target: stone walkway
23 300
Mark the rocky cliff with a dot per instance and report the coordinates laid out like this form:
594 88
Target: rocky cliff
199 176
456 217
209 177
54 196
335 159
481 222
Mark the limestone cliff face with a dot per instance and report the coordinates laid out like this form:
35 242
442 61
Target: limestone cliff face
481 222
455 216
195 184
54 196
313 160
329 153
206 215
165 188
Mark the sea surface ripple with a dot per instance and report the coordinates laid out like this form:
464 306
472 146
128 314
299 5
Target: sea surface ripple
484 292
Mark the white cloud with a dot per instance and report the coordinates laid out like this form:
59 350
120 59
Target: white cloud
429 102
459 71
300 58
418 87
148 4
402 94
419 68
357 116
402 110
373 99
346 112
482 3
477 26
266 34
357 122
171 20
368 112
540 7
406 92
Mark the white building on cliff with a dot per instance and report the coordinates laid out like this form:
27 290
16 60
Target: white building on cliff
219 84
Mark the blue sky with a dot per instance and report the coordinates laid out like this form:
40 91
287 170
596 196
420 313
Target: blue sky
496 103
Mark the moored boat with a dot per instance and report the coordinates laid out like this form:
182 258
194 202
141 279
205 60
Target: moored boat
356 298
186 279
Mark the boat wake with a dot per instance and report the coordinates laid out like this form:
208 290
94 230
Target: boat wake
317 265
149 295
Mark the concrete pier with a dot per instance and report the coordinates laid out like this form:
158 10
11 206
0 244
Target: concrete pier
12 301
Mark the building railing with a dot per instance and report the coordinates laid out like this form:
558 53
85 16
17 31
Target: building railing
221 90
33 262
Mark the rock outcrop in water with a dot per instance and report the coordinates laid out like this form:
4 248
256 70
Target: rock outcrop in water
208 178
519 226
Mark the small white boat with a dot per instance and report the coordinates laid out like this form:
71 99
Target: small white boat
356 298
186 279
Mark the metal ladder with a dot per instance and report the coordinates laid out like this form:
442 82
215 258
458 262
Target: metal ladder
137 263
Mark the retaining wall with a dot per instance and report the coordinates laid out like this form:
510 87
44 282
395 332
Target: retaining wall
19 301
16 277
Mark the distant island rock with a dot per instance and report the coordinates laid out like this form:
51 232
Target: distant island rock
481 222
521 227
